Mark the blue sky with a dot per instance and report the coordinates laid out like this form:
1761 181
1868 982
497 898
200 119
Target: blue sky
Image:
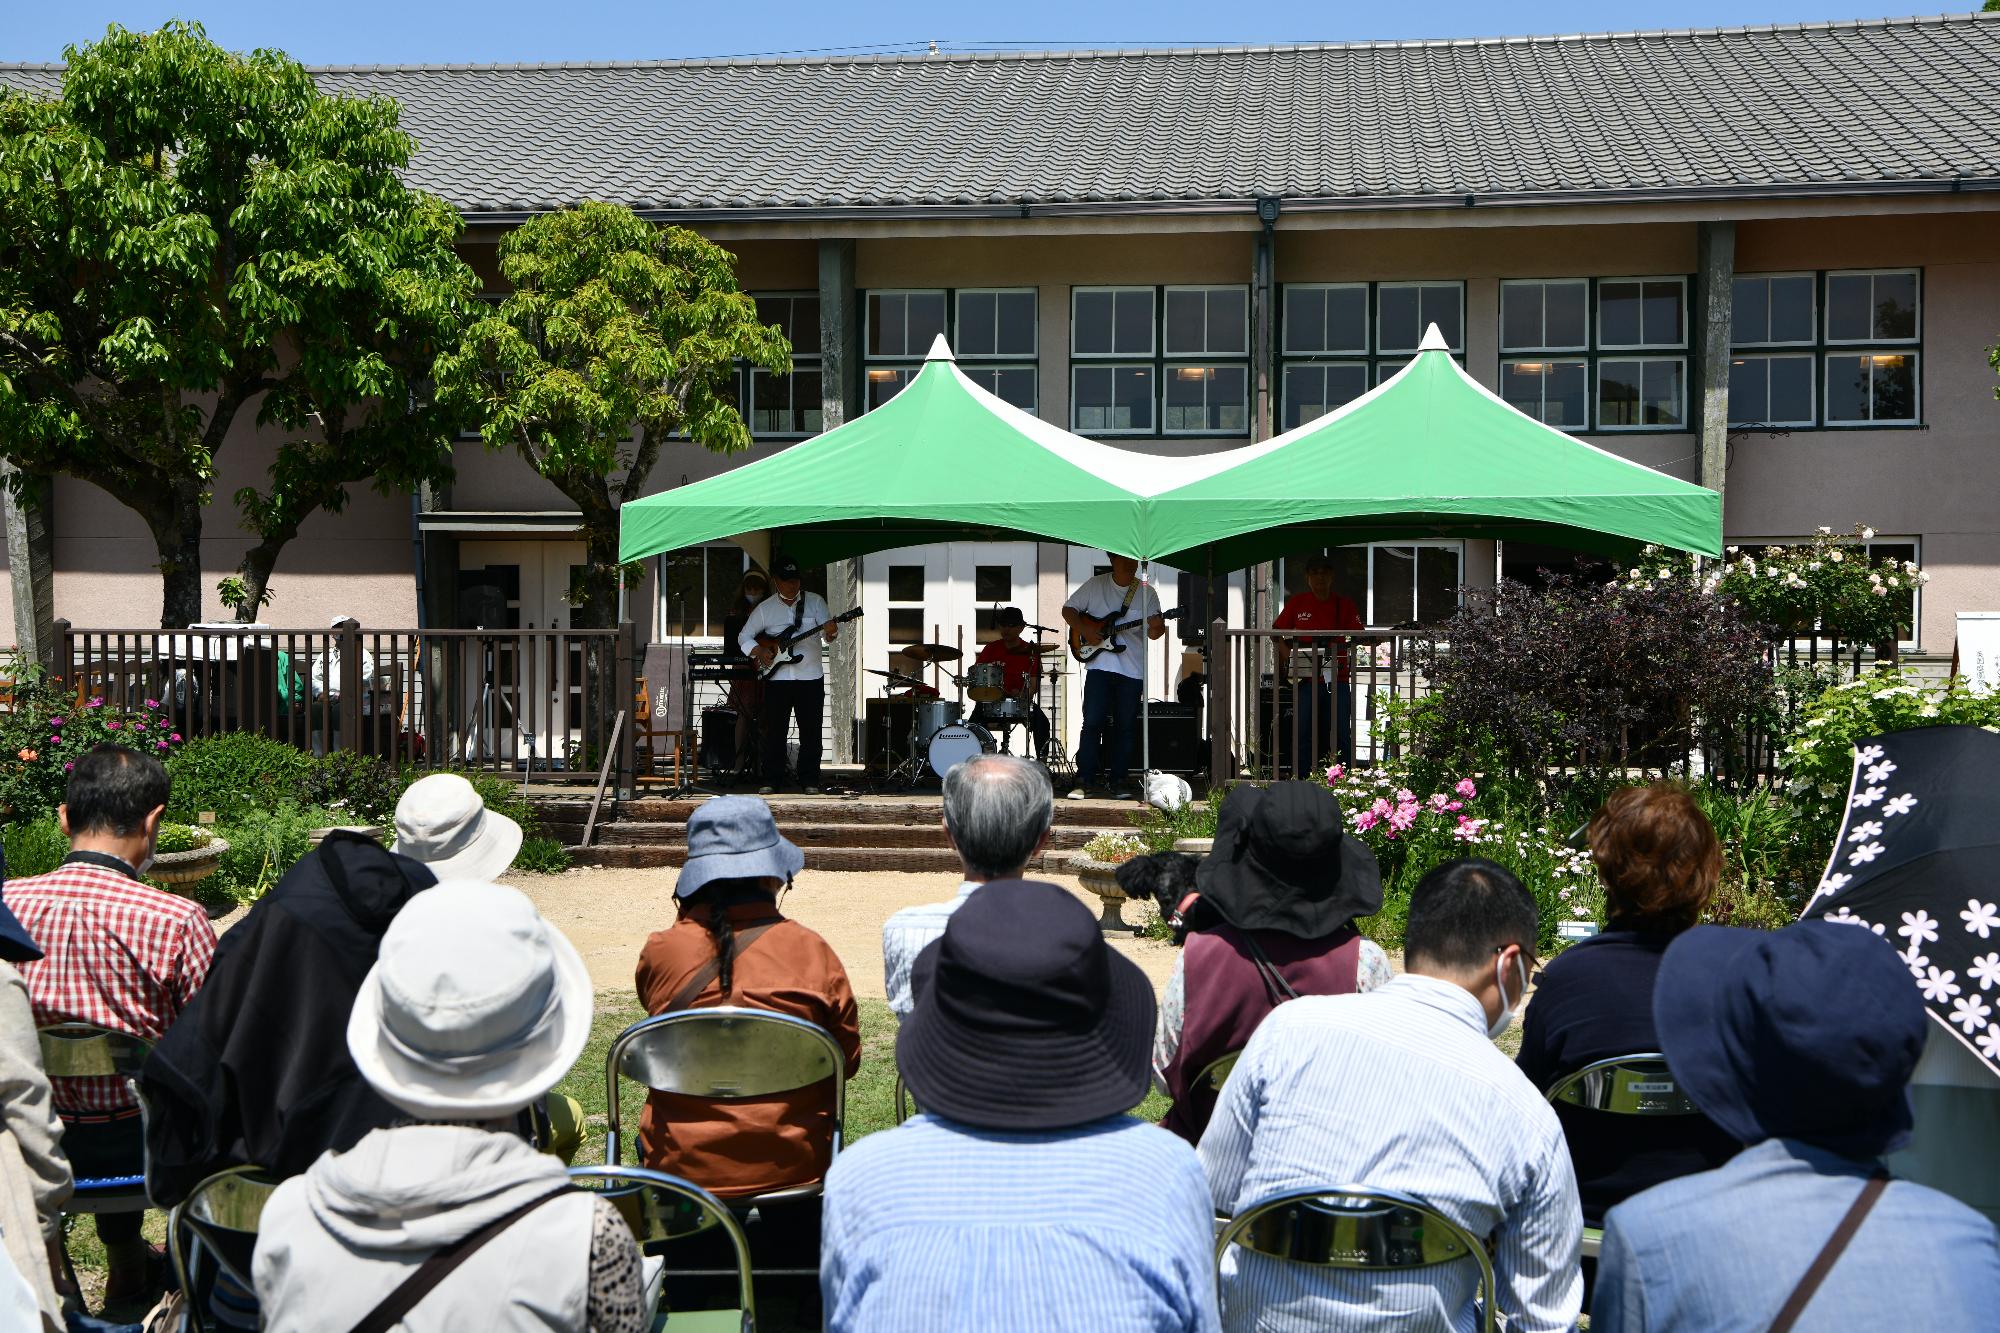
389 31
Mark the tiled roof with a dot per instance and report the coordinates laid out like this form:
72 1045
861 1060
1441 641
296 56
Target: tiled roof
1819 108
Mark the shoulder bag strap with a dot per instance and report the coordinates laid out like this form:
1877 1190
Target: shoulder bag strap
1276 988
712 969
442 1264
1829 1255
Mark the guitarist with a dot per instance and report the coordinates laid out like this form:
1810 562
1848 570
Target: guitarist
1112 681
796 689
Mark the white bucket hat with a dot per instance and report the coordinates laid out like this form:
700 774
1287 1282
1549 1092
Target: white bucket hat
475 1006
441 821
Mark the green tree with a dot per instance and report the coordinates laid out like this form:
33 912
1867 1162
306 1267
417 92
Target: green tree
189 236
618 336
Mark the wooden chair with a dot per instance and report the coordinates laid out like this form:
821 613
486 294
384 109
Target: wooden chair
657 745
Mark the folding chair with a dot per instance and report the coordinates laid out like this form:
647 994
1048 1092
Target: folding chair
1358 1228
727 1054
218 1218
84 1050
1217 1072
661 1209
1638 1085
906 1105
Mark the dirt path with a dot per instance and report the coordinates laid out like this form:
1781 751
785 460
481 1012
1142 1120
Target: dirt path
608 913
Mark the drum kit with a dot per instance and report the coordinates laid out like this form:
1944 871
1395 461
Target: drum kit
942 736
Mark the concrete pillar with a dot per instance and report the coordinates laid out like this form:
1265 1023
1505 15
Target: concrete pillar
840 395
439 555
1715 288
31 564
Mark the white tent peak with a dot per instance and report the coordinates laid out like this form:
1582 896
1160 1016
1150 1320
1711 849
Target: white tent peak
1433 341
940 350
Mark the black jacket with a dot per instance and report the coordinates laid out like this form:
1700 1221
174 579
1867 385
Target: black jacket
256 1069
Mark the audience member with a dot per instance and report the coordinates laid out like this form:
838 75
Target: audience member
1403 1089
731 946
1659 860
442 821
1283 885
1800 1043
34 1174
256 1070
118 955
475 1009
1021 1197
997 815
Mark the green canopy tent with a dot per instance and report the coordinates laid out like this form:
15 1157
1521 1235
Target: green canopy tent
1429 452
944 460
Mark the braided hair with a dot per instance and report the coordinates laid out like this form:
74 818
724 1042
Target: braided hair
718 896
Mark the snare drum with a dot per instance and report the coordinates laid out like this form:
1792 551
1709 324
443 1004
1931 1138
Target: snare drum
933 716
987 681
1013 708
955 744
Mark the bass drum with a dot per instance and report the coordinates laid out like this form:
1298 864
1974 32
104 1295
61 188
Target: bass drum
955 744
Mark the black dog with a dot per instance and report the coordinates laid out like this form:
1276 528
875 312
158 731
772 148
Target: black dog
1167 880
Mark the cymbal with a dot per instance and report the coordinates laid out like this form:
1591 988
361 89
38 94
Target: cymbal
932 652
1043 647
895 677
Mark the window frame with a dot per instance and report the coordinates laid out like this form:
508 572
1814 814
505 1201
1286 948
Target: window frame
1378 350
911 364
746 374
1826 277
1367 607
1822 349
1818 311
868 324
1205 356
1152 353
1874 422
955 310
1152 367
1533 352
1328 354
1597 317
978 368
1160 364
1780 352
663 630
1641 360
1576 357
1371 358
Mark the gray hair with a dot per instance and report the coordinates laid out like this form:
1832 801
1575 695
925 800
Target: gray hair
996 808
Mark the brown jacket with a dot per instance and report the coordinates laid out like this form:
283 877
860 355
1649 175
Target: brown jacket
736 1148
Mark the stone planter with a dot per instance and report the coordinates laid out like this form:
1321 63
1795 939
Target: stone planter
1101 878
1194 846
188 867
374 831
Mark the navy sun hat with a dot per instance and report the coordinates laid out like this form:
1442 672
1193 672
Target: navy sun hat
1025 1018
1810 1033
16 946
735 837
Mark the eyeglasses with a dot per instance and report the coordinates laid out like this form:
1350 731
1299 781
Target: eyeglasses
1534 963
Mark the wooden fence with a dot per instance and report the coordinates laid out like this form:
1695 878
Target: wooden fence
525 702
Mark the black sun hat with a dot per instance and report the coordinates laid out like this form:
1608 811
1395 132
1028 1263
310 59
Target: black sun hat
1283 860
1025 1018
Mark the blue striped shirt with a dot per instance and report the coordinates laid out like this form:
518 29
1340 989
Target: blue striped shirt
1397 1089
936 1226
904 936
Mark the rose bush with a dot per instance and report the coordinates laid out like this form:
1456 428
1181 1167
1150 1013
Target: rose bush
1831 584
45 734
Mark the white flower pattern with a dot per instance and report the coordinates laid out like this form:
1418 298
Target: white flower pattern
1989 1042
1877 772
1862 855
1918 927
1864 831
1868 754
1900 805
1834 884
1980 919
1939 986
1986 971
1969 1012
1869 795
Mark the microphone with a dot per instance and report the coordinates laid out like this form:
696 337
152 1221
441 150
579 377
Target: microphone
1045 629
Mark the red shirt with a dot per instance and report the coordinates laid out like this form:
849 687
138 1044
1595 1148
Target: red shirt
1304 611
1021 665
118 954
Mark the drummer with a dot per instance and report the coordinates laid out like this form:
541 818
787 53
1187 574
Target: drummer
1022 673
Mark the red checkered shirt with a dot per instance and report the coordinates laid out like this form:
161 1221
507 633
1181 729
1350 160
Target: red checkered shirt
117 954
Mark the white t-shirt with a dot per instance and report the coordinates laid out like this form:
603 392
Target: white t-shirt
774 615
1100 597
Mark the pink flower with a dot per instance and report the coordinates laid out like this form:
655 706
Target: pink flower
1365 821
111 726
159 745
176 736
1468 830
68 767
1439 800
55 722
138 726
1466 789
1404 796
152 703
1381 808
95 703
1454 805
1336 773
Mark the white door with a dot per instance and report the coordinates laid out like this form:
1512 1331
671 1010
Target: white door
943 593
534 689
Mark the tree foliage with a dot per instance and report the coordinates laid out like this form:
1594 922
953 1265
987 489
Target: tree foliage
185 233
618 336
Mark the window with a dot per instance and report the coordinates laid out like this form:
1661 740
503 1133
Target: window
697 590
904 324
989 325
1641 312
1555 392
1641 393
1637 394
1393 583
1165 360
1545 316
787 405
1856 360
1338 340
906 606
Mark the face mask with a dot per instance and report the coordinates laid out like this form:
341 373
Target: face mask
1506 1019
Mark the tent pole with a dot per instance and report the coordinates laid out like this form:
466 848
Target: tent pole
1145 697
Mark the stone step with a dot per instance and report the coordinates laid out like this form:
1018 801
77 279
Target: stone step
1067 837
941 860
845 810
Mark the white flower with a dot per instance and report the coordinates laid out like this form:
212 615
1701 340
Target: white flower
1835 556
1969 1012
1980 919
1900 805
1986 971
1632 573
1877 772
1918 927
1734 549
1868 796
1867 534
1915 961
1989 1042
1928 710
1834 884
1864 831
1938 986
1869 754
1825 531
1864 854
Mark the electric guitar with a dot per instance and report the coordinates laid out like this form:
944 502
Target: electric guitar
780 646
1110 643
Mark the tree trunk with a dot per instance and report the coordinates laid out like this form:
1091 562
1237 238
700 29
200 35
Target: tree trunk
255 571
176 527
602 576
